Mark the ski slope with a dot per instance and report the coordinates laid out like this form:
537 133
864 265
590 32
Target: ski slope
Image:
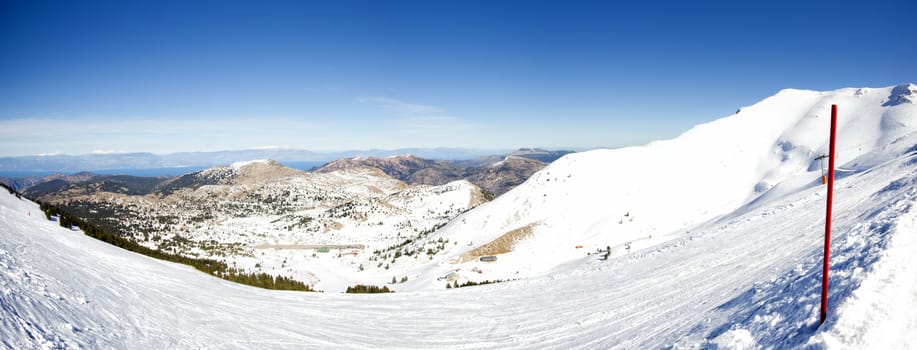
746 278
642 196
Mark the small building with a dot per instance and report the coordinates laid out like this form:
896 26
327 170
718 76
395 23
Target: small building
488 258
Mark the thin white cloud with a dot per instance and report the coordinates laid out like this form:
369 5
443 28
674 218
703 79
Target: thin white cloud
399 106
103 135
423 123
49 154
105 151
432 124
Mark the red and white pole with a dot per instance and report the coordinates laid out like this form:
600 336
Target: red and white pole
824 273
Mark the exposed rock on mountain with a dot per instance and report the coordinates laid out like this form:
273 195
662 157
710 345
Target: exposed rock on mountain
500 177
496 174
407 168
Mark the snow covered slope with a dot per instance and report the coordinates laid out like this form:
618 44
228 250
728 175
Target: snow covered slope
749 280
639 196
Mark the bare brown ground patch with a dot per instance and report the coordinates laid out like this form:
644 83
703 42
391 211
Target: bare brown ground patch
503 244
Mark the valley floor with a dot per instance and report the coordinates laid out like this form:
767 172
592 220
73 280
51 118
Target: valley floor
750 279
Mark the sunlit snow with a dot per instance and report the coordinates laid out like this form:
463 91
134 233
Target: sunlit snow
724 226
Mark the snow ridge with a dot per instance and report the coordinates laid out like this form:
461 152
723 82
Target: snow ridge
650 194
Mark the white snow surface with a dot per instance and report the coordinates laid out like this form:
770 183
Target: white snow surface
242 164
649 194
726 251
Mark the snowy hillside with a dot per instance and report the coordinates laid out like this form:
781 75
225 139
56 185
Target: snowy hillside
640 196
735 209
750 280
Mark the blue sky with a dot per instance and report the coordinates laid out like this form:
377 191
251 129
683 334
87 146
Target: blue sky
166 76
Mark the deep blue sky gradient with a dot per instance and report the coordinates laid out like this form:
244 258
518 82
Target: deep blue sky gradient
333 75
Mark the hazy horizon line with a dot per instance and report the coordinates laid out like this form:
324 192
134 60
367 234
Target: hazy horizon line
316 151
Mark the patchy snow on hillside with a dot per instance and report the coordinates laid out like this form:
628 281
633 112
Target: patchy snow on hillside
242 164
330 230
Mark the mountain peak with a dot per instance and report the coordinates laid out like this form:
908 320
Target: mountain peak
517 160
398 162
539 154
245 172
253 171
256 162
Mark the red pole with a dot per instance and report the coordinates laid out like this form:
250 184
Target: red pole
824 273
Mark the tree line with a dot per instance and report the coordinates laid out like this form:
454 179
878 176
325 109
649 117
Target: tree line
455 284
210 266
12 191
360 289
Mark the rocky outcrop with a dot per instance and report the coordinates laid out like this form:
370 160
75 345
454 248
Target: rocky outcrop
495 175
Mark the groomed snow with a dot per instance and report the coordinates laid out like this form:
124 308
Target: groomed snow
747 278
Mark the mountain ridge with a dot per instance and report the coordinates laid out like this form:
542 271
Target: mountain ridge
494 176
145 160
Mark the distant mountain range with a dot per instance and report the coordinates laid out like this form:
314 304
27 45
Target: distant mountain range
242 211
494 174
63 163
